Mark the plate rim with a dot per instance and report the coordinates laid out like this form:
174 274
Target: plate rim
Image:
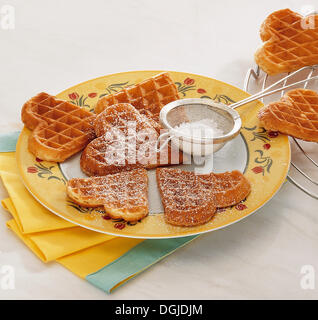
116 234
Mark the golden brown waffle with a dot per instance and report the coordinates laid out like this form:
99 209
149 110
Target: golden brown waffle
186 201
295 114
60 129
120 146
229 188
148 97
291 42
124 195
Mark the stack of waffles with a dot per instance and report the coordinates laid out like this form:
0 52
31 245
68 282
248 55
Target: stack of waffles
126 140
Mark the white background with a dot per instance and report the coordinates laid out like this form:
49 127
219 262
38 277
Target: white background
57 44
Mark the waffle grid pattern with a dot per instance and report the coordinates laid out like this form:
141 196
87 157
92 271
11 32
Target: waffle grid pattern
299 107
295 114
58 125
121 117
117 190
186 201
124 195
289 46
229 188
148 96
182 191
69 125
116 149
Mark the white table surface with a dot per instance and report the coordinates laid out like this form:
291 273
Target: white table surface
56 44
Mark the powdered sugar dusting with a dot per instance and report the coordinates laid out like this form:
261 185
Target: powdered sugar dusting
205 128
186 201
126 190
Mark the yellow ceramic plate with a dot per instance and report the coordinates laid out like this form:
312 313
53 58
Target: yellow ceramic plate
263 156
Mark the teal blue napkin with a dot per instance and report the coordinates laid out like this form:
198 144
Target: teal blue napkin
8 141
136 260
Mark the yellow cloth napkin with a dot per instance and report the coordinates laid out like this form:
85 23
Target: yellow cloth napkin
105 261
29 215
49 236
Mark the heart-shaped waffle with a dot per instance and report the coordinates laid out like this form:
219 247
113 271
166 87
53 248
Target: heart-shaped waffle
191 199
123 195
291 42
60 129
295 114
148 97
186 200
229 188
126 140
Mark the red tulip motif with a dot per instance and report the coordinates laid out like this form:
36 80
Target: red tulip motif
73 96
32 170
258 170
200 90
188 81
